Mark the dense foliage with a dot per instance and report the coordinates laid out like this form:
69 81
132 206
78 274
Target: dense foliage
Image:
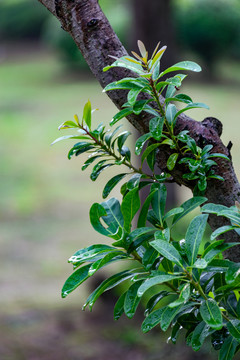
185 285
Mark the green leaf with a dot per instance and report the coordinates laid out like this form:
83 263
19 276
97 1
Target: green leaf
175 331
74 280
158 278
134 181
126 83
211 314
132 300
108 258
120 115
228 349
200 333
221 231
140 142
200 264
183 65
139 106
67 125
171 162
148 150
194 237
171 113
126 63
234 328
129 207
167 250
188 206
149 258
107 284
98 169
154 300
183 297
233 272
119 307
144 211
90 253
168 315
112 183
151 160
122 138
213 208
80 137
191 106
111 213
232 215
159 201
172 212
87 114
90 161
156 127
219 155
152 320
183 98
133 94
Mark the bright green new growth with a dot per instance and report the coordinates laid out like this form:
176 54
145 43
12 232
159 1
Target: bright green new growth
199 289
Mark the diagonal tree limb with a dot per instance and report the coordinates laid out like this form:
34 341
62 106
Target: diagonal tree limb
95 38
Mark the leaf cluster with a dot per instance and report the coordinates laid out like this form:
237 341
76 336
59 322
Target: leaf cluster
186 285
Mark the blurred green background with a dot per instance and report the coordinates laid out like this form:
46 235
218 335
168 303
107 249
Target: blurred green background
44 197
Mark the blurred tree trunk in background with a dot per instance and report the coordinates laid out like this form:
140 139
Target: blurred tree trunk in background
153 22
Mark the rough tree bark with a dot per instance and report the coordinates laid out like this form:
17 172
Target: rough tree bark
92 33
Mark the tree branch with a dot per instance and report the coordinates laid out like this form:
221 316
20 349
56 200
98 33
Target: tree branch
95 38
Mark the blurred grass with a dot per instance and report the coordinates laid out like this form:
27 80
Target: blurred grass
44 197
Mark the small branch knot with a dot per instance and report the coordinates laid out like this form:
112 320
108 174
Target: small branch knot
213 123
92 23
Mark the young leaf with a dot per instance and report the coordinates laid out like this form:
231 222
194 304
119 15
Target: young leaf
87 114
194 237
80 137
132 300
211 314
74 280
